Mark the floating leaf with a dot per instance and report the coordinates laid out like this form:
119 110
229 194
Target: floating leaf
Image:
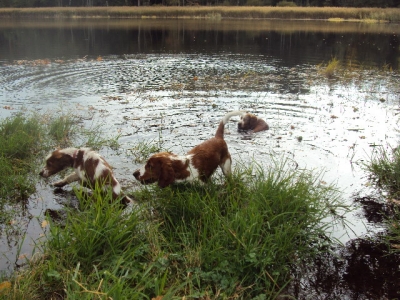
22 256
4 286
45 223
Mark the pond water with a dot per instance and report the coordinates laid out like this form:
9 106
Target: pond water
169 82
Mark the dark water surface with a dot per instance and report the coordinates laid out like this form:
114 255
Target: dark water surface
170 81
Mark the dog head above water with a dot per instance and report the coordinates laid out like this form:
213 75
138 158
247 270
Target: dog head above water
251 122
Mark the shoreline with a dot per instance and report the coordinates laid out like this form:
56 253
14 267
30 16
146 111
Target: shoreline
334 14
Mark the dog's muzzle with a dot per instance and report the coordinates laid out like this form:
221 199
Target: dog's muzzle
44 173
137 174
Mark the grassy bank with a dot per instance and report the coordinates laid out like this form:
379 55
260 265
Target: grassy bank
235 238
221 12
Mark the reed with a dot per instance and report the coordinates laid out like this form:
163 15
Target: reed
208 12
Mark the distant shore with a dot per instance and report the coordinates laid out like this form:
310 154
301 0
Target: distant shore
210 12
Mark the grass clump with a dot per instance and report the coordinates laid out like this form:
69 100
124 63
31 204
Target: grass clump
215 241
62 129
384 171
331 68
142 149
20 142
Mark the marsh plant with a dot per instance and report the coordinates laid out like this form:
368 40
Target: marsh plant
331 68
384 171
20 143
143 149
62 129
235 238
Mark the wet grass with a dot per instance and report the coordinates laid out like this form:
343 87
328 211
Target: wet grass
384 171
330 69
20 142
226 239
215 13
25 139
142 150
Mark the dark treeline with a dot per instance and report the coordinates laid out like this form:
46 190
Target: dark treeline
320 3
290 48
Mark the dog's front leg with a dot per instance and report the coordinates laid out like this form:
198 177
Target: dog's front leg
68 179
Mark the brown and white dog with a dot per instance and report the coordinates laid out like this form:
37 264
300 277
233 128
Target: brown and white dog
90 168
250 122
198 164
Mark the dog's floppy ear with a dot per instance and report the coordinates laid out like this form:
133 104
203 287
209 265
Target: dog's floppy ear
253 122
167 174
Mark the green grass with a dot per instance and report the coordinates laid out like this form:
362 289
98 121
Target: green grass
383 169
20 142
143 149
25 140
330 69
226 239
62 129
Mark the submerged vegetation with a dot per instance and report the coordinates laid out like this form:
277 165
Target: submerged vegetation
238 239
208 12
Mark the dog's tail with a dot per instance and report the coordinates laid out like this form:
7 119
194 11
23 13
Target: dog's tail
225 119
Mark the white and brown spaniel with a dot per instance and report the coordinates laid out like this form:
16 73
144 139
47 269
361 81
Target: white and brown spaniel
250 122
90 168
199 163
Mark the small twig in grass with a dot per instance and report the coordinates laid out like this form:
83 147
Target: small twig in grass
91 292
270 277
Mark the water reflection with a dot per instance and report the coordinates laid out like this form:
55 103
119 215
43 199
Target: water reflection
363 270
290 42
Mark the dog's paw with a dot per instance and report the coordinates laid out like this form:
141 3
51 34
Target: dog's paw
58 184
